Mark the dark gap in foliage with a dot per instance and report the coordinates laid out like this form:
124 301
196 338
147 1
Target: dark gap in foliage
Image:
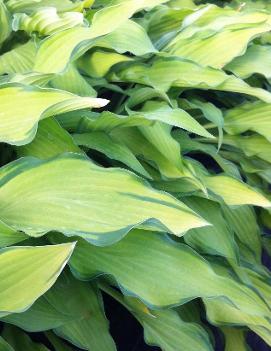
99 158
7 154
206 160
126 331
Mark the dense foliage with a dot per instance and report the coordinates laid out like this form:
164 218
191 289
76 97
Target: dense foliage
135 162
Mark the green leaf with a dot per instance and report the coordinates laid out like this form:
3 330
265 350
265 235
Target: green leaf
180 73
18 60
98 63
73 82
74 310
63 45
167 330
31 5
250 116
215 240
77 205
235 339
243 221
128 37
20 266
9 236
218 312
21 341
165 23
5 20
177 117
255 60
210 112
91 330
234 192
46 21
50 140
57 343
213 37
113 149
4 346
33 104
40 316
252 145
137 262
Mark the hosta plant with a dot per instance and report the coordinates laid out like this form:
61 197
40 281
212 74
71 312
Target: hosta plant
135 162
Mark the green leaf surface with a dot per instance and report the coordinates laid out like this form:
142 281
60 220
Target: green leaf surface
182 73
167 330
104 21
137 262
235 192
33 104
21 341
47 21
18 60
102 142
39 264
250 116
76 206
255 60
51 140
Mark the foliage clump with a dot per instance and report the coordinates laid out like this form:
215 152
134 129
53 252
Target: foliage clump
135 162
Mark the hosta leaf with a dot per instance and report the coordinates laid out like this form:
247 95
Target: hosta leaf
33 104
91 330
243 221
98 63
159 136
137 262
21 341
35 79
255 60
39 264
128 37
104 21
39 317
250 116
46 21
166 329
9 236
235 339
235 192
58 344
113 149
5 20
77 205
4 346
177 117
220 47
191 145
50 140
210 112
31 5
18 60
253 145
74 310
210 19
219 313
73 82
165 23
181 73
105 121
215 240
168 162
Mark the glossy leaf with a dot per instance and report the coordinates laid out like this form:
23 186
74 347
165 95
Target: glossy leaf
39 264
45 204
